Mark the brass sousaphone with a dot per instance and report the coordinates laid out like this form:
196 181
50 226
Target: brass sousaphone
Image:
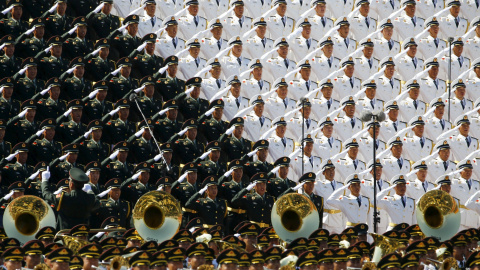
438 214
157 216
293 216
25 216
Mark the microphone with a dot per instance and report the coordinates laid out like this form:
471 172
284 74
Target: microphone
451 39
133 97
366 115
381 116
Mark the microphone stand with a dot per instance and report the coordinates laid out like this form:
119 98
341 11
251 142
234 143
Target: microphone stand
134 97
376 218
450 41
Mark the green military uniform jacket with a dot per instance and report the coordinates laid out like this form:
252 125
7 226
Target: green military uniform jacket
212 129
51 67
258 208
165 128
187 151
15 172
277 186
44 150
251 168
75 47
94 109
93 151
213 212
26 88
61 171
102 25
75 88
117 130
169 88
96 69
49 108
9 108
117 169
9 66
120 87
208 167
146 65
69 131
235 148
109 208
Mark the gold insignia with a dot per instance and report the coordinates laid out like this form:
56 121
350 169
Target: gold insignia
354 140
238 38
283 39
196 79
283 80
306 62
310 175
261 175
400 177
64 251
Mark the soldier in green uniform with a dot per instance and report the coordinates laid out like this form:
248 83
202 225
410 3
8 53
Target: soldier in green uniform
276 186
92 147
95 104
62 165
121 128
158 166
9 107
52 106
13 24
70 130
192 106
45 149
258 204
261 164
5 146
33 253
93 170
212 166
148 63
78 46
73 207
235 146
28 85
9 63
136 186
213 127
101 24
307 183
211 209
165 128
29 47
184 188
170 86
58 23
15 190
116 165
149 104
20 170
76 87
99 67
53 65
123 45
188 149
143 146
23 125
121 86
165 184
113 206
231 183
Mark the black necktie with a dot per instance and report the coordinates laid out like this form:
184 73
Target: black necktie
263 42
468 141
283 21
442 122
195 20
435 40
415 104
328 104
219 45
359 202
352 122
329 62
367 22
307 85
445 165
390 44
436 83
285 103
323 21
261 121
284 142
370 62
351 82
218 83
355 164
414 62
456 21
239 61
330 142
238 103
174 43
240 22
196 62
308 43
403 201
421 142
286 62
395 126
414 23
260 84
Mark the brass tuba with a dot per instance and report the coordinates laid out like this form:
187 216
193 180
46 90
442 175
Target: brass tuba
438 214
293 216
25 215
119 263
157 216
446 264
369 266
384 245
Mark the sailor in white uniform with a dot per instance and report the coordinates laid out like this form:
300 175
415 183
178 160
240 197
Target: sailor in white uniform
409 65
234 101
417 146
259 44
169 44
418 187
311 163
302 123
324 104
442 164
214 84
279 144
321 24
349 124
436 124
279 104
326 145
432 87
149 23
302 86
463 188
394 163
211 46
280 65
462 143
255 85
191 23
391 125
256 124
350 163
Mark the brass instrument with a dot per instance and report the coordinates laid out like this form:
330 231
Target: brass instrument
25 215
384 245
119 263
369 266
223 245
157 216
446 264
73 243
293 216
438 214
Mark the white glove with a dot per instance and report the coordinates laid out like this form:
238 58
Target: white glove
297 187
34 175
48 49
183 131
114 111
204 155
21 71
275 170
87 188
116 71
157 157
162 112
62 158
97 50
87 173
40 132
71 31
140 132
160 188
70 70
201 191
46 175
139 89
52 9
7 197
93 94
135 176
99 7
58 191
189 90
22 114
102 194
67 112
1 89
249 187
5 11
209 112
182 177
88 133
141 47
114 155
99 234
227 174
123 27
44 91
252 153
11 156
29 31
230 130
